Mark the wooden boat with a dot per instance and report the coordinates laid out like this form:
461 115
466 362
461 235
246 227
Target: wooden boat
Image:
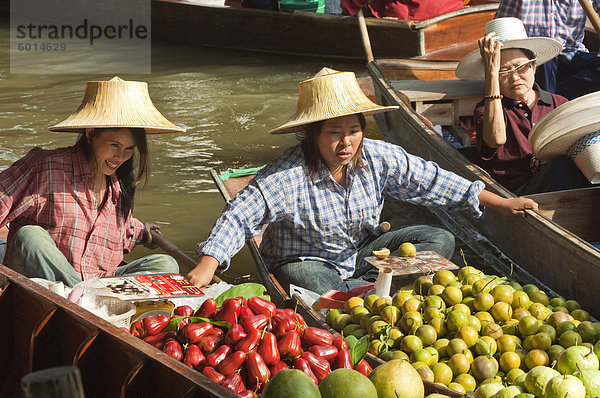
40 329
224 23
552 244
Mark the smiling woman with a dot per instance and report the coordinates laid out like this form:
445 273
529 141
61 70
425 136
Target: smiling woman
69 209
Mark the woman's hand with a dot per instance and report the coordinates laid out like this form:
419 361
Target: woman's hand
202 274
507 206
489 48
147 240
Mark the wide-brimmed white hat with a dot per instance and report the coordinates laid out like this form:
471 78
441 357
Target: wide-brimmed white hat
117 103
512 34
329 94
572 129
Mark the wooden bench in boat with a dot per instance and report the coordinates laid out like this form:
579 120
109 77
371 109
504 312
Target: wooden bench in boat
442 101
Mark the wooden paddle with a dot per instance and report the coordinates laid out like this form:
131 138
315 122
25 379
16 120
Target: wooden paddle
591 14
177 254
364 34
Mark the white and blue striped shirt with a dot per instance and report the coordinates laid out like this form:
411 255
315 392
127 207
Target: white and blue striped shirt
315 218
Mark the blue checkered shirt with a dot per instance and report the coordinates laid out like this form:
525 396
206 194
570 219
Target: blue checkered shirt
315 218
563 20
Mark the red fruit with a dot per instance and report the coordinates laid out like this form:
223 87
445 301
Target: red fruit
363 367
209 344
327 352
194 332
232 363
208 309
234 383
215 358
182 323
268 349
244 312
173 349
250 341
153 325
261 306
342 360
247 394
302 364
319 366
289 345
254 322
312 336
137 329
282 324
276 368
339 342
212 374
257 370
194 358
300 322
158 340
286 311
230 311
234 334
183 310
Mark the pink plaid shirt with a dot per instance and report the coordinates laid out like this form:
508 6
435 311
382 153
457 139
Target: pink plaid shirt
54 189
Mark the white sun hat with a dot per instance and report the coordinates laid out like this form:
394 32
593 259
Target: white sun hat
511 32
329 94
572 129
117 103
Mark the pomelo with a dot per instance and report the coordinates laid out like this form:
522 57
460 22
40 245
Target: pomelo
347 383
291 383
488 390
576 358
397 379
564 386
591 381
537 378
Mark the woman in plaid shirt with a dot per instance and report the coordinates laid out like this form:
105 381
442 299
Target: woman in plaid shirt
70 208
322 198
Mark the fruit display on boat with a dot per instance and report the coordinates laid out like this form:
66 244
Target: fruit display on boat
253 348
481 333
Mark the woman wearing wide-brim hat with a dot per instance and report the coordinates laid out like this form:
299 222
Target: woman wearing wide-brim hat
70 208
513 103
322 199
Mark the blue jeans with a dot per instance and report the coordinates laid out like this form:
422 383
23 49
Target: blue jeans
320 276
33 253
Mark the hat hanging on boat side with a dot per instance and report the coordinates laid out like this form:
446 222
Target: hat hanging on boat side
572 129
511 32
117 103
329 94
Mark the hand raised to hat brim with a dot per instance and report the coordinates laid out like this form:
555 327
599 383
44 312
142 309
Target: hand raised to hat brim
489 48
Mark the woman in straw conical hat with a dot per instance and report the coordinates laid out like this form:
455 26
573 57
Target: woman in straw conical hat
513 103
322 199
70 208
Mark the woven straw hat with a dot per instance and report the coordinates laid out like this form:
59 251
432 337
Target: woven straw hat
572 129
511 33
117 103
329 94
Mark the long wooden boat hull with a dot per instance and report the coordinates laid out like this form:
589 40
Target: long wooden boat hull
319 35
552 253
40 329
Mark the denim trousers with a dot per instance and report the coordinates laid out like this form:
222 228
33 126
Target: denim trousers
320 276
33 253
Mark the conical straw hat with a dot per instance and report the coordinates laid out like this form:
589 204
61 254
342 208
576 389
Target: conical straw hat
117 103
572 129
329 94
511 32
